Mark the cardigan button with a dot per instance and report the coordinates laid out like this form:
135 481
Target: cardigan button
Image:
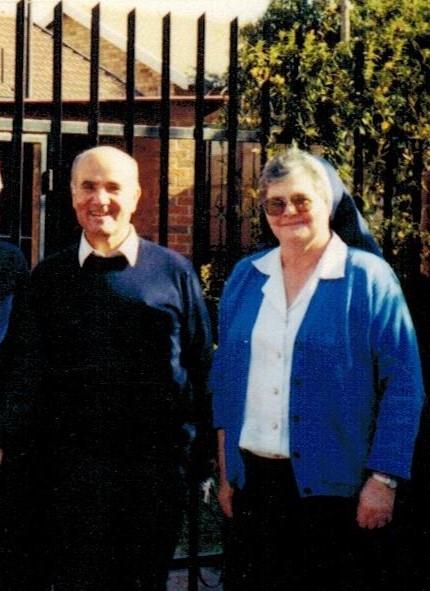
297 382
307 490
296 454
296 419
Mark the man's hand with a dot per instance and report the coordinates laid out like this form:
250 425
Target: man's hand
225 498
376 504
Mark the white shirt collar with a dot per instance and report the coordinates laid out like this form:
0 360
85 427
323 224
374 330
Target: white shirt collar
331 265
129 248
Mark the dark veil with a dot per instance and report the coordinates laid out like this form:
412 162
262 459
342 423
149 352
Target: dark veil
346 220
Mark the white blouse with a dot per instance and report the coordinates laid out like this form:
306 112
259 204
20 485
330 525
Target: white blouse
265 429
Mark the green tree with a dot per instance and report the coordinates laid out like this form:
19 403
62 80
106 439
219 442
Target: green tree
373 90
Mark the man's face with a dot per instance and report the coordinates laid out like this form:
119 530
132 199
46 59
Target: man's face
105 193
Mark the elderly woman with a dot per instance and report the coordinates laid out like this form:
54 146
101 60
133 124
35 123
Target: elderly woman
317 394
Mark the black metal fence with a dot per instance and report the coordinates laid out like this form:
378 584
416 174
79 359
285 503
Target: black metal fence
230 134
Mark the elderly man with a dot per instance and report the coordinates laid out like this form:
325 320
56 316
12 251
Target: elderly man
126 338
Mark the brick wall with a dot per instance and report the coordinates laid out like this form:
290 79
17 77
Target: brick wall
181 193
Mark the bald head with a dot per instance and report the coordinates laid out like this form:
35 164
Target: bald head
107 155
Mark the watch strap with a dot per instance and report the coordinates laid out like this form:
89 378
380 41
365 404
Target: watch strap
385 479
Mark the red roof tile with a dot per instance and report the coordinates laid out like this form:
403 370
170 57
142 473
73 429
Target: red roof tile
76 68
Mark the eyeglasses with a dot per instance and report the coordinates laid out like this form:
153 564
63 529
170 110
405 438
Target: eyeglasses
276 205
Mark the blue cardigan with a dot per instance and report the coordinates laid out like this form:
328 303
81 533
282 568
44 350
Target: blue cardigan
356 384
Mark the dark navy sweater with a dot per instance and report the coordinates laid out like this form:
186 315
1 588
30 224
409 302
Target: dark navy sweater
126 350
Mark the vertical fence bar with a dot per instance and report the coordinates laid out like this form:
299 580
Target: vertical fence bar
17 128
201 204
28 48
94 108
233 217
265 120
164 133
292 108
358 177
391 164
131 77
418 169
416 205
265 103
200 253
55 188
265 132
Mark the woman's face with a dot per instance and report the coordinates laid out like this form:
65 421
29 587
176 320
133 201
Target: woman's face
305 218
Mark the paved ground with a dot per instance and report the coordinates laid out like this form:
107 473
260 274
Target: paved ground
178 580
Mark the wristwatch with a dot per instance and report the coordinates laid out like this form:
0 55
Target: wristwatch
384 479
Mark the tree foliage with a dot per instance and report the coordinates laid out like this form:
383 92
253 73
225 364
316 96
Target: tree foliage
373 90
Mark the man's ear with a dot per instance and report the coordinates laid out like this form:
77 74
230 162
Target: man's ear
72 192
137 194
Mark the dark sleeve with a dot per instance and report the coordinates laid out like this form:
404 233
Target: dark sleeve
196 357
398 378
18 359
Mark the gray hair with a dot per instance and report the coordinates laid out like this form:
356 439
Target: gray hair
295 161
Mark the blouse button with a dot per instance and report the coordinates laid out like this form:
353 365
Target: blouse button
275 426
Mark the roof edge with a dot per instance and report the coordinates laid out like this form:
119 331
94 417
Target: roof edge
120 41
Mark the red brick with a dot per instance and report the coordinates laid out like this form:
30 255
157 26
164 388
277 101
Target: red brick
175 229
179 209
187 220
183 238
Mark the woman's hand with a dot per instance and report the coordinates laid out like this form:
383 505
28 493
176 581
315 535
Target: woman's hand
376 504
225 498
225 491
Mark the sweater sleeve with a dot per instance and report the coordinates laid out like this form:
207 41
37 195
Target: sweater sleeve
18 360
398 381
220 366
196 356
217 371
